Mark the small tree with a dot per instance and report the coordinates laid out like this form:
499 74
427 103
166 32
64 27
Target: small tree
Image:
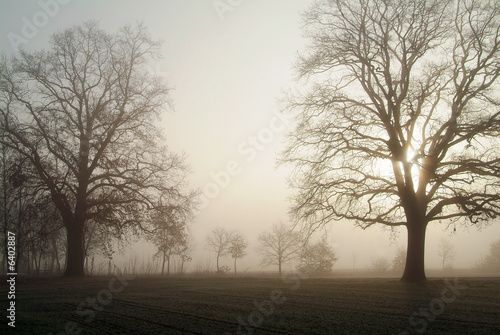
280 245
184 252
317 258
169 235
492 260
398 263
219 241
446 252
237 247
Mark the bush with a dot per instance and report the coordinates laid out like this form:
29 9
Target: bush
317 258
223 270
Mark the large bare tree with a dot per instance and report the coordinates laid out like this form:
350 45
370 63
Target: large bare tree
398 118
85 114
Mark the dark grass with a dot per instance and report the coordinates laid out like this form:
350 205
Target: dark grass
255 305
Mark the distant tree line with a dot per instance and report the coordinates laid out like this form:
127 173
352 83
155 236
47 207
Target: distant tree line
277 247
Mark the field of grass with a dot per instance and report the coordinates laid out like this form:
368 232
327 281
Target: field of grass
254 305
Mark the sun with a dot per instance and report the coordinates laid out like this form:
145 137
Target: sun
384 167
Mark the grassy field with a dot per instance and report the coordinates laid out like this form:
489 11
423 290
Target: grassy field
254 305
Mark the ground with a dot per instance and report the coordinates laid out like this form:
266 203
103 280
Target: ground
255 305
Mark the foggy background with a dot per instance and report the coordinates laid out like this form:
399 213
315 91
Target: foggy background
228 67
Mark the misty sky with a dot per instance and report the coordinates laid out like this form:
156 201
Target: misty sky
228 65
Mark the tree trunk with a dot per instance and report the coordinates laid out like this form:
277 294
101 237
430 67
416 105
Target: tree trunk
75 266
279 268
163 264
56 256
39 263
235 265
28 260
35 264
414 269
50 268
168 264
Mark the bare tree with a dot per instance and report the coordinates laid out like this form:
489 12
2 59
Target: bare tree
492 260
41 232
13 188
399 124
237 247
446 252
184 251
170 233
219 241
84 113
26 210
398 263
279 246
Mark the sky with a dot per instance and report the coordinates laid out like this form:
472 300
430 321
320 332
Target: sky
228 63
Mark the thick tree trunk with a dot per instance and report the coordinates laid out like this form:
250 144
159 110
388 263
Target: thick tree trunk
75 266
414 269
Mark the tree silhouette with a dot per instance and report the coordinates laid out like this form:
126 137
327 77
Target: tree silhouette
399 123
279 246
492 260
170 234
219 241
398 263
317 258
237 247
447 253
85 114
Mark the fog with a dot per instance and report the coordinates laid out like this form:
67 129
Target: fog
228 65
